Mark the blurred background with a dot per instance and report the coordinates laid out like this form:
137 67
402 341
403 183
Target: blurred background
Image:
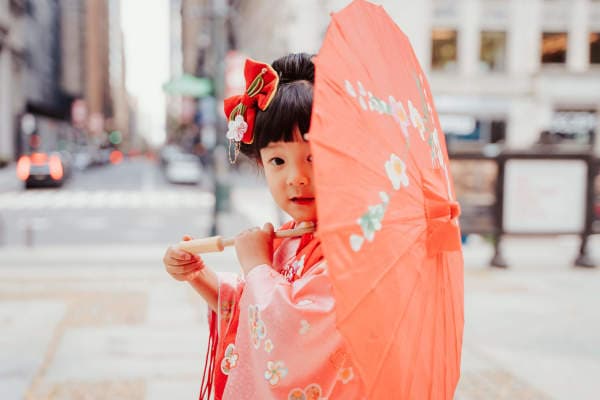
112 147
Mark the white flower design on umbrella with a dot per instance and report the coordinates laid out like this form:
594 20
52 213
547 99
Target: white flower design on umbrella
349 88
362 94
361 88
356 242
236 128
399 114
370 222
396 171
437 156
416 119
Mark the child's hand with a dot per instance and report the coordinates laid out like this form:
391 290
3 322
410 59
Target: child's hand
182 265
254 247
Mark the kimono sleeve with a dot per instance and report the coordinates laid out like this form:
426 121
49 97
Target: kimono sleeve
225 320
230 289
287 345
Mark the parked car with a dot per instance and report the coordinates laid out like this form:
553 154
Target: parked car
43 169
83 158
168 153
101 156
184 168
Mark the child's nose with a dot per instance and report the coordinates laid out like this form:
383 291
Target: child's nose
297 177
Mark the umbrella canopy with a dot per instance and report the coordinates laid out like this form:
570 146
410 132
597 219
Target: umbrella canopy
386 209
188 85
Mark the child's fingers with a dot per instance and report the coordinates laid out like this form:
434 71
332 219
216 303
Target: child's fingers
178 257
184 269
268 228
186 238
182 255
179 263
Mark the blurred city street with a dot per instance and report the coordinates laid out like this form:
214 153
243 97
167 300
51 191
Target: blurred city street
129 203
113 146
90 312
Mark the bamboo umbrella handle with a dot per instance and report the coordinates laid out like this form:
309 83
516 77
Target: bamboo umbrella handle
218 243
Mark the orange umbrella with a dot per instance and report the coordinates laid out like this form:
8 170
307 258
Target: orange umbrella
386 208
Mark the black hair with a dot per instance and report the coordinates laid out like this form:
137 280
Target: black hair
291 106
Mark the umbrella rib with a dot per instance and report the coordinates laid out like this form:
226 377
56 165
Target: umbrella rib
415 173
414 376
447 319
457 349
397 327
444 321
333 149
386 270
336 227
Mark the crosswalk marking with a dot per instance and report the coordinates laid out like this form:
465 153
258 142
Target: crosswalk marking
59 199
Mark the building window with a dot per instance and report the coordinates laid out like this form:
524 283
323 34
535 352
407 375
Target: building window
554 47
461 129
492 55
576 126
595 48
443 49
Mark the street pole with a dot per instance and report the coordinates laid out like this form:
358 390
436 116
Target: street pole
220 167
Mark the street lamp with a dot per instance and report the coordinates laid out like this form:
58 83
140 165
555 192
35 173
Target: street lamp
221 187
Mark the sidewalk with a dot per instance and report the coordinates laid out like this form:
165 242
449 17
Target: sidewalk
78 325
105 330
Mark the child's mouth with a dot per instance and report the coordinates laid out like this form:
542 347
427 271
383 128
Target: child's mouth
303 201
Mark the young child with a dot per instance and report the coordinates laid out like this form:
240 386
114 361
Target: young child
273 329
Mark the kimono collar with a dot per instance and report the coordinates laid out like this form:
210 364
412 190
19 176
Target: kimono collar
310 247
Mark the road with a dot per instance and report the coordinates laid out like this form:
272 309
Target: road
126 203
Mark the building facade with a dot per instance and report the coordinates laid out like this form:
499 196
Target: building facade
511 71
12 69
117 75
61 56
97 61
517 69
47 106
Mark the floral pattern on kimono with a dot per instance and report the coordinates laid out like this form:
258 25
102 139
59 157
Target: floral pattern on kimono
230 359
230 289
302 353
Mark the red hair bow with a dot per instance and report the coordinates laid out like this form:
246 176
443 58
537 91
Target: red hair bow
261 85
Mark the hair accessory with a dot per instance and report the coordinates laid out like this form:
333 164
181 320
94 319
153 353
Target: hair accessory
261 86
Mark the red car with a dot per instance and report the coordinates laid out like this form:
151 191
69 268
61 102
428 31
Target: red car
41 169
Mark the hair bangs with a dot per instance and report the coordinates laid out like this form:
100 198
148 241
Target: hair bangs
291 107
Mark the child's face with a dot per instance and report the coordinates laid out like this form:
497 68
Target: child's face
289 173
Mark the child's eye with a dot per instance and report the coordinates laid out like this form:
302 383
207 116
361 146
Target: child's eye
276 161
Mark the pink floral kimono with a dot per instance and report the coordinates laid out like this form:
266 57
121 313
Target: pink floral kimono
275 332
